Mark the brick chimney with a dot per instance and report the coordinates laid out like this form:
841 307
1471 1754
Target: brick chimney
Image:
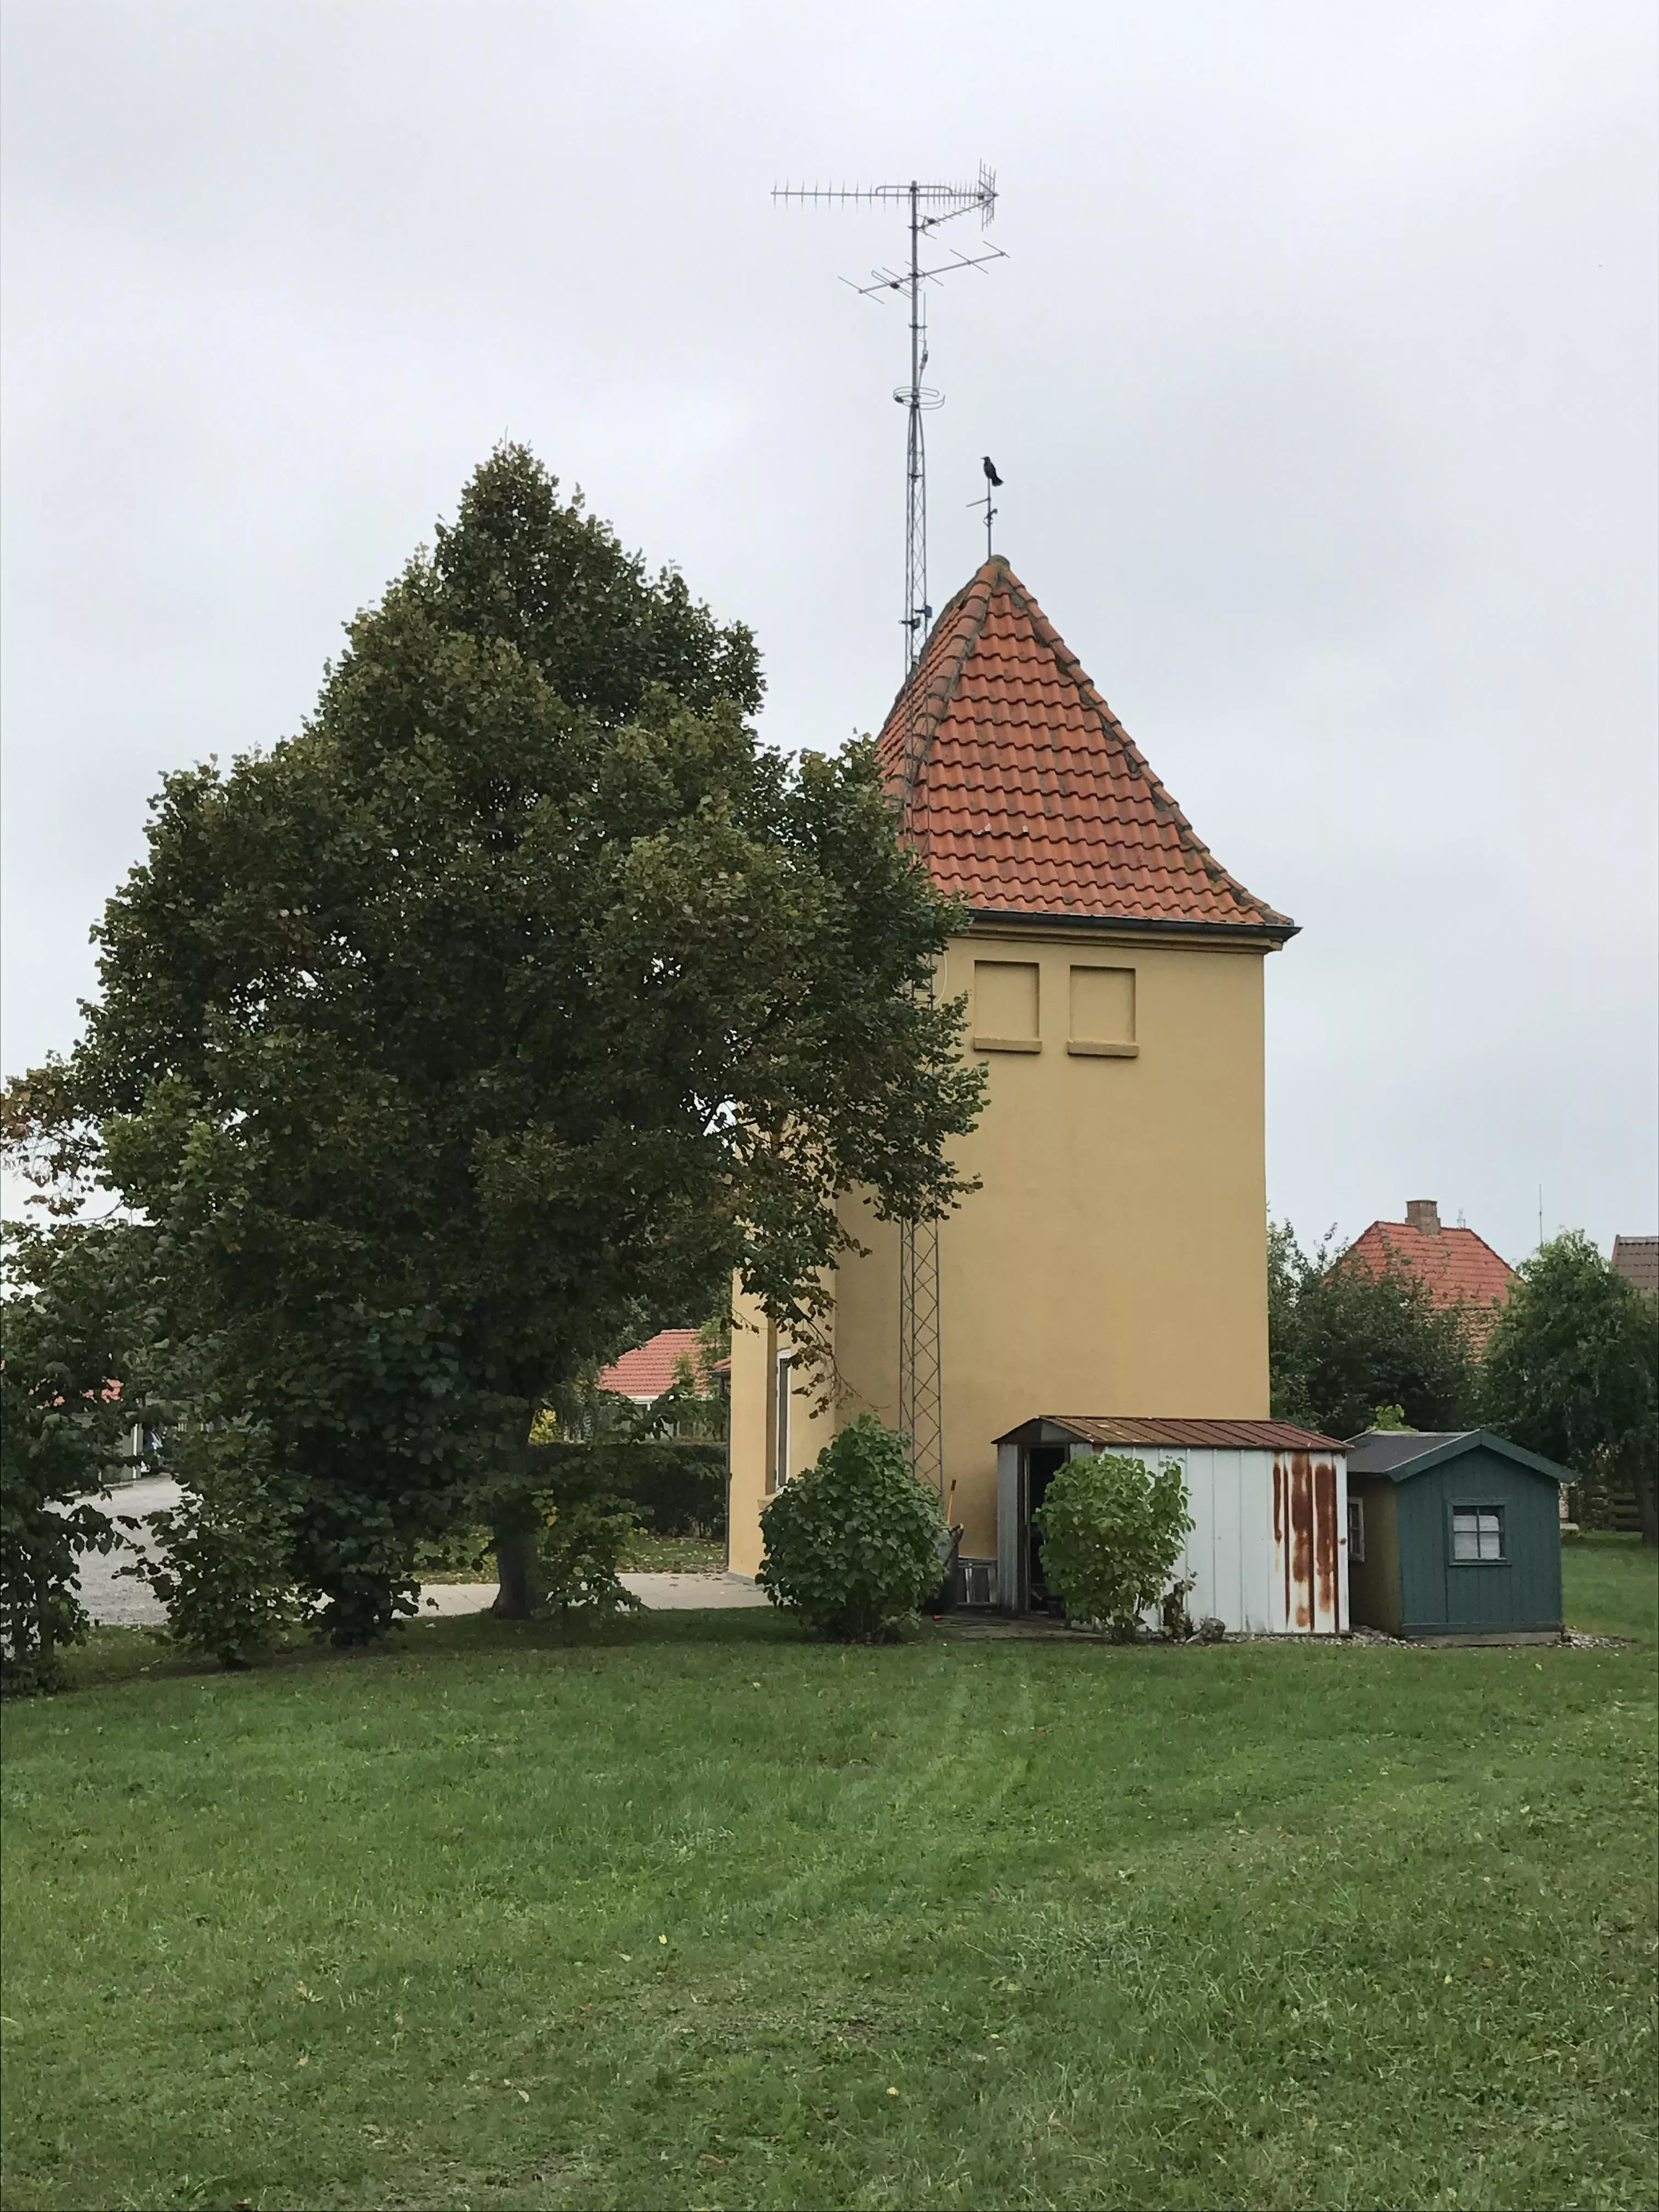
1424 1213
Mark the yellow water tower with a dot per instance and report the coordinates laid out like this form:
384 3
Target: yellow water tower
1114 1259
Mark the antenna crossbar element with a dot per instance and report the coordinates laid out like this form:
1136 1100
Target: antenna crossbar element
929 205
948 200
893 280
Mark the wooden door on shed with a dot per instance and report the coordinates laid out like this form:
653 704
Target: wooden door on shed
1308 1543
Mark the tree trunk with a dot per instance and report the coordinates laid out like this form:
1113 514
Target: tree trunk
515 1554
515 1531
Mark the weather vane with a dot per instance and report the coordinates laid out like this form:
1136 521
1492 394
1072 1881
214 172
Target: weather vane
993 483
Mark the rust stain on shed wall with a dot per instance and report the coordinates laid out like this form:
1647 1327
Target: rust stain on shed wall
1302 1518
1306 1542
1327 1602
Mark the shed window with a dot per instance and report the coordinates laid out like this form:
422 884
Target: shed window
1356 1532
1477 1533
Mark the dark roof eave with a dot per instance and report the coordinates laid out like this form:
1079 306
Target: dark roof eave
1267 932
1437 1452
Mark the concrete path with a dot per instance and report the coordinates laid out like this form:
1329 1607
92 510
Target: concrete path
693 1593
113 1600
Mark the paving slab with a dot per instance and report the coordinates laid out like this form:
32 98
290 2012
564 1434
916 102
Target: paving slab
694 1591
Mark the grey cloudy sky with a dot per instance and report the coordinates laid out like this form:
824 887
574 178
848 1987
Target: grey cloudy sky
1322 373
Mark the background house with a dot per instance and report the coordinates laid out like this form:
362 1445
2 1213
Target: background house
1113 971
1456 1268
646 1371
1637 1259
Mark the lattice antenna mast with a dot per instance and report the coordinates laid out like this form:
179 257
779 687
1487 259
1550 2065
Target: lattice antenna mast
928 206
921 1402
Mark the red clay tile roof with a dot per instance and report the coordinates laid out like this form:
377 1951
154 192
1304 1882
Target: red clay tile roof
1637 1259
646 1371
1458 1267
1032 799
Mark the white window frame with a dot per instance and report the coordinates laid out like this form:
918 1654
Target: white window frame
782 1468
1356 1531
1482 1512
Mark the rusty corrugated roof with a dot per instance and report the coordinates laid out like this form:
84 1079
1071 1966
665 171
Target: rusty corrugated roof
1168 1429
1032 799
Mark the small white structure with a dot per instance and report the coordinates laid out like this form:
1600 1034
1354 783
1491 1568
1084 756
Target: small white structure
1268 1551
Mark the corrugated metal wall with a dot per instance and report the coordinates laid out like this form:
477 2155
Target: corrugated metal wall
1269 1549
1311 1542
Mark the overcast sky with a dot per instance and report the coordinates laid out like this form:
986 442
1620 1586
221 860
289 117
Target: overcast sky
1322 375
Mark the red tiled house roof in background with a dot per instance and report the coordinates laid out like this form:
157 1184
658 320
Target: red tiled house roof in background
648 1370
1032 799
1637 1259
1457 1266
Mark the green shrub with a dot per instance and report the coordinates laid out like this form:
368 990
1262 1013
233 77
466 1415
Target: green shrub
578 1555
1112 1532
225 1566
677 1486
559 1532
852 1544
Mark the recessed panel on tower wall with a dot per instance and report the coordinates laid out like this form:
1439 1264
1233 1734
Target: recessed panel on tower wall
1005 1005
1102 1005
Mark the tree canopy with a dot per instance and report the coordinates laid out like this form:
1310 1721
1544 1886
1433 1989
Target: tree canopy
1572 1371
1344 1342
495 1018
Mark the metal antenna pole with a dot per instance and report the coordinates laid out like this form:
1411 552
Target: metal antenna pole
921 1396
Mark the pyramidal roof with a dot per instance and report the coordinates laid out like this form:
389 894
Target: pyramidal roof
1032 799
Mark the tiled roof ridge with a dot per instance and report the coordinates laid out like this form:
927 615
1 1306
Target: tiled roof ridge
942 687
1454 1229
932 687
1160 796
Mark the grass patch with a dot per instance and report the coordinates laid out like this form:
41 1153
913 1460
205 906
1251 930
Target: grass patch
1263 1925
1611 1586
467 1556
676 1555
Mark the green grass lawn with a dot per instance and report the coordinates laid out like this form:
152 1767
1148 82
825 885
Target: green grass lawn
468 1558
701 1914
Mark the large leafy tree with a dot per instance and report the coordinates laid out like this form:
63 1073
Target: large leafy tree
500 1014
1342 1342
1572 1371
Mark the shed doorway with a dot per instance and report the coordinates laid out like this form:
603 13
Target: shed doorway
1042 1463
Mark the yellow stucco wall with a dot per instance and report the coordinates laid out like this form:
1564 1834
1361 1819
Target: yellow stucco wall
1115 1260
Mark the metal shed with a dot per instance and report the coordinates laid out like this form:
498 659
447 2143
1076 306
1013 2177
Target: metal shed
1453 1535
1268 1502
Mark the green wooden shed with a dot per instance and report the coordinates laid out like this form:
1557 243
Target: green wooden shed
1454 1535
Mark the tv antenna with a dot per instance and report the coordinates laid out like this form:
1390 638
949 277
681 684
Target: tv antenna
928 206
